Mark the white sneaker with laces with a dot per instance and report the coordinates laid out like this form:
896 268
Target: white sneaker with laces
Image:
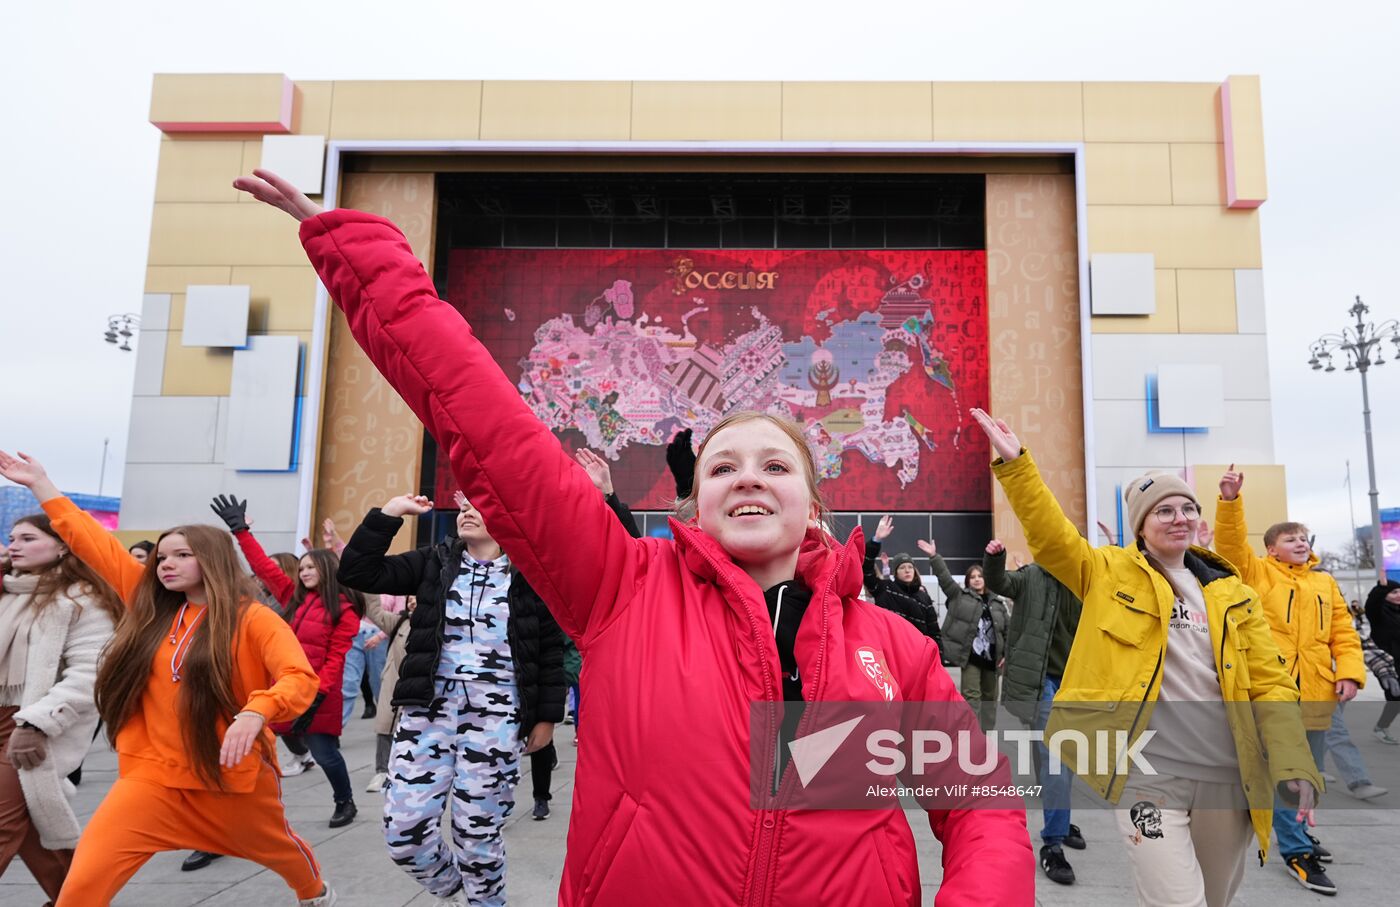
327 898
292 767
1383 735
377 783
1367 791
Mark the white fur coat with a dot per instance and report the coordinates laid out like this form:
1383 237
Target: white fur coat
65 641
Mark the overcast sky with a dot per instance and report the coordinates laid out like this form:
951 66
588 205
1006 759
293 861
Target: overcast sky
80 156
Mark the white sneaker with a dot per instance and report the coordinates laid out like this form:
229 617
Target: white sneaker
292 767
377 783
326 899
1368 791
1383 735
1329 777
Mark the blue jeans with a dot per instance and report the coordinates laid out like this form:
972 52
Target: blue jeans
325 749
357 661
1054 789
573 691
1292 834
1348 758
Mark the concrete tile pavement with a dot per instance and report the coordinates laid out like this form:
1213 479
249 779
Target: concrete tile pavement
1364 839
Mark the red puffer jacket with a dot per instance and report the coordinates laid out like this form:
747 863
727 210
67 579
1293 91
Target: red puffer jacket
325 644
676 643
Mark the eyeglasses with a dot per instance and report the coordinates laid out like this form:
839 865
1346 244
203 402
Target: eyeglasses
1167 515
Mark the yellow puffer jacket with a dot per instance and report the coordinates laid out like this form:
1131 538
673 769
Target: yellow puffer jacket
1114 672
1306 611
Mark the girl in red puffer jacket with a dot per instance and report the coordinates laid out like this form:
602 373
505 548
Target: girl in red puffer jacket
325 618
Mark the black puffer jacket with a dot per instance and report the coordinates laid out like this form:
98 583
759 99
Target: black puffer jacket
536 642
913 603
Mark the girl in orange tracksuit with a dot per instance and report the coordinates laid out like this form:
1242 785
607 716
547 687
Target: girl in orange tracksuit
195 672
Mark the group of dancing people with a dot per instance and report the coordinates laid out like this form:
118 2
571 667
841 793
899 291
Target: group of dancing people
752 600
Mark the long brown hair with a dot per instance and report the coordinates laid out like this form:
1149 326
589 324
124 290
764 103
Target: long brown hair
206 697
329 588
686 506
67 573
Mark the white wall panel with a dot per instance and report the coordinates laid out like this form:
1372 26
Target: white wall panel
155 312
1249 301
1107 480
1247 436
156 496
272 498
221 432
1122 361
1190 396
1121 437
262 404
299 159
172 430
216 316
150 363
1122 283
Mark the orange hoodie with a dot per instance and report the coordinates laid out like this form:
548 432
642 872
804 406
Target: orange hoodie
270 673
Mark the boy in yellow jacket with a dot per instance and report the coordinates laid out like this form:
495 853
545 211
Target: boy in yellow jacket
1312 627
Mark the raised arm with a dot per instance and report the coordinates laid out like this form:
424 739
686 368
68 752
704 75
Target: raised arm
1055 544
84 536
365 564
874 583
234 513
538 505
1232 533
950 587
999 579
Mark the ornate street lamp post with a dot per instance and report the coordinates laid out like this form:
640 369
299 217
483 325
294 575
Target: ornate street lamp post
1362 343
119 326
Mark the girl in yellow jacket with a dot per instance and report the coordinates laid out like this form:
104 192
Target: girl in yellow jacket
1166 622
195 672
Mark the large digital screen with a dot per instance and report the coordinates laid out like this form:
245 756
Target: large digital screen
877 354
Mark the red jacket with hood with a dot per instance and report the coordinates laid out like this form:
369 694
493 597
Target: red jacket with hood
676 642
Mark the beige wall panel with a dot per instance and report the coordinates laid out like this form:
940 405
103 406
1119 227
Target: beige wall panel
194 371
581 111
165 279
858 111
195 171
201 233
311 108
217 98
1163 321
1127 174
405 110
1265 496
733 111
129 537
1033 331
283 299
1151 112
1246 124
1181 236
1198 174
252 158
1206 301
371 444
1008 111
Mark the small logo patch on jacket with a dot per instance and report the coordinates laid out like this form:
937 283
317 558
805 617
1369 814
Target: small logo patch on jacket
872 665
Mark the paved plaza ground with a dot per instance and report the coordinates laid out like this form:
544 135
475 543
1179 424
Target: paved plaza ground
1364 837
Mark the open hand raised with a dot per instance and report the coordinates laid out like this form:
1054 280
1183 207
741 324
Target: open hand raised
1004 441
1231 483
268 187
928 547
884 528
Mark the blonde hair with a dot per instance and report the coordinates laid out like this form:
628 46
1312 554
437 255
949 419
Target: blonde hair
686 507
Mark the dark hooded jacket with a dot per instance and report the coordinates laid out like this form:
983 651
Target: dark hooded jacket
910 601
1385 619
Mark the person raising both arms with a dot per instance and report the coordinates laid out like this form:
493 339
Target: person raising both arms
904 592
974 633
752 602
56 614
1170 640
196 670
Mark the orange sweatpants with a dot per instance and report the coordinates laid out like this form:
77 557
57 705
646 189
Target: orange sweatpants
140 818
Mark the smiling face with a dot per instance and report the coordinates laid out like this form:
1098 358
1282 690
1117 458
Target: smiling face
753 496
1393 596
32 550
975 580
1292 547
308 574
1169 541
470 527
176 566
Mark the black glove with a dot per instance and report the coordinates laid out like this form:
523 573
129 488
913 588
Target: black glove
232 511
304 721
680 459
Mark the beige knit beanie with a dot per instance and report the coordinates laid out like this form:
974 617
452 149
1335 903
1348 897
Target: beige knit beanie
1147 491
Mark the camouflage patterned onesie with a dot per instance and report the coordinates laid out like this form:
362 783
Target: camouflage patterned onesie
462 752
